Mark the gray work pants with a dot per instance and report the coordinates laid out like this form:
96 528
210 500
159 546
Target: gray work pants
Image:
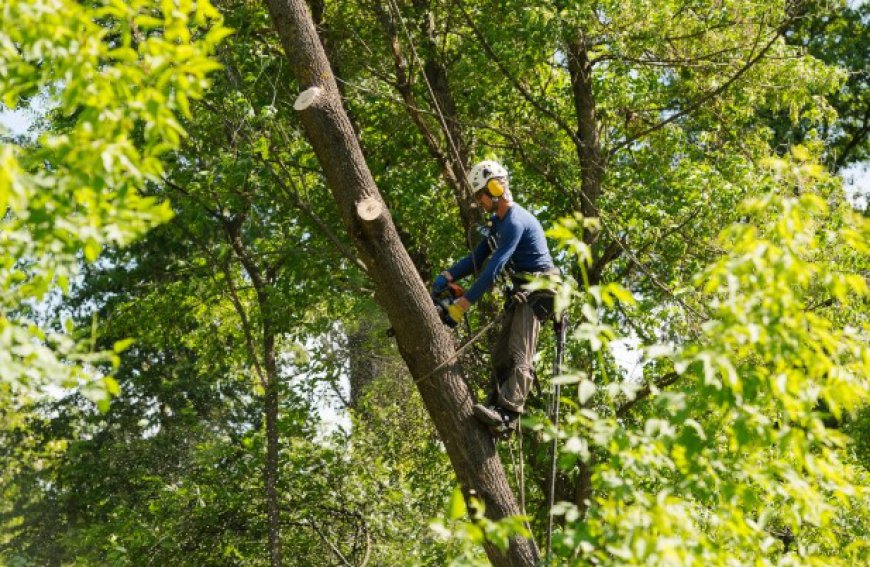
513 356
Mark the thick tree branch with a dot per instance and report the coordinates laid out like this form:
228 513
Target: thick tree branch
613 251
588 145
454 161
698 103
859 137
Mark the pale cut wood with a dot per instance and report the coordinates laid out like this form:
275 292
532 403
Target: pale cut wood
306 98
369 209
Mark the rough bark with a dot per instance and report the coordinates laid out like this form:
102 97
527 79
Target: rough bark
423 341
589 147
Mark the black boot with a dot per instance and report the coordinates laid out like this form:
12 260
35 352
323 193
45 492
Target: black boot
501 422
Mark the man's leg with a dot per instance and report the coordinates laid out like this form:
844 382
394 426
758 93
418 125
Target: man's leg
488 412
501 355
522 344
512 364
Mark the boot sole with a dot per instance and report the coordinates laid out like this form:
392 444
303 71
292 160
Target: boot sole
486 417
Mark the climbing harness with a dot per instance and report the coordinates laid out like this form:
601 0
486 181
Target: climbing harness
518 297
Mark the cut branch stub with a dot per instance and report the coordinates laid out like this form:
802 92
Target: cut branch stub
369 209
306 98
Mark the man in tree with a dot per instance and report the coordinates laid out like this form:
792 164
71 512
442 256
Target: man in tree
517 247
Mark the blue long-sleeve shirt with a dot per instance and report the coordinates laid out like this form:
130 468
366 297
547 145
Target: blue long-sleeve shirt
519 239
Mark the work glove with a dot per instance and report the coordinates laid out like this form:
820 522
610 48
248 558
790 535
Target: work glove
454 312
439 285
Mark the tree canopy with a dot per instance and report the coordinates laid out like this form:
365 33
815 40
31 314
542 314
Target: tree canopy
189 296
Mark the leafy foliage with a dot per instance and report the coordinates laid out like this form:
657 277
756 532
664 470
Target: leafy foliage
739 461
119 72
743 459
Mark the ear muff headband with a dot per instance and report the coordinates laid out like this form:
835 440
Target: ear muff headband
495 188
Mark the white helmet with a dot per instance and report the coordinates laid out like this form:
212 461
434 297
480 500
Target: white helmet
483 172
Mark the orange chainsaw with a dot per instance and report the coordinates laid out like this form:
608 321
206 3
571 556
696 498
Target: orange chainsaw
444 298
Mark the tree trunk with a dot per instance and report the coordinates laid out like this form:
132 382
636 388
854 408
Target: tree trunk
263 284
589 148
592 170
423 341
271 473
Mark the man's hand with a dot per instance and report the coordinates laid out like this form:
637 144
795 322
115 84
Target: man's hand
440 283
456 309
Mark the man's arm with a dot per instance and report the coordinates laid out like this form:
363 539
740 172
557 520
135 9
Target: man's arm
509 238
470 263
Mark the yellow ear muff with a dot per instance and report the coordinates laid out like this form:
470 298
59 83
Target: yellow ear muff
495 188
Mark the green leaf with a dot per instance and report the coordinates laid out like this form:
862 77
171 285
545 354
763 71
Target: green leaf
456 508
111 385
585 391
92 250
122 345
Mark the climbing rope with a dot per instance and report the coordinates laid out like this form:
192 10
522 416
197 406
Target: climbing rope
561 328
515 297
395 9
459 351
520 478
604 225
522 485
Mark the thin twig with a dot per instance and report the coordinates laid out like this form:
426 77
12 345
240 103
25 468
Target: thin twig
515 82
307 209
246 326
331 545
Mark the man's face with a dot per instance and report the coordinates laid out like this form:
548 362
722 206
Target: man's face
484 201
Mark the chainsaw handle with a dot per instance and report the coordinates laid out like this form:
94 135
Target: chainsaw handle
455 290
